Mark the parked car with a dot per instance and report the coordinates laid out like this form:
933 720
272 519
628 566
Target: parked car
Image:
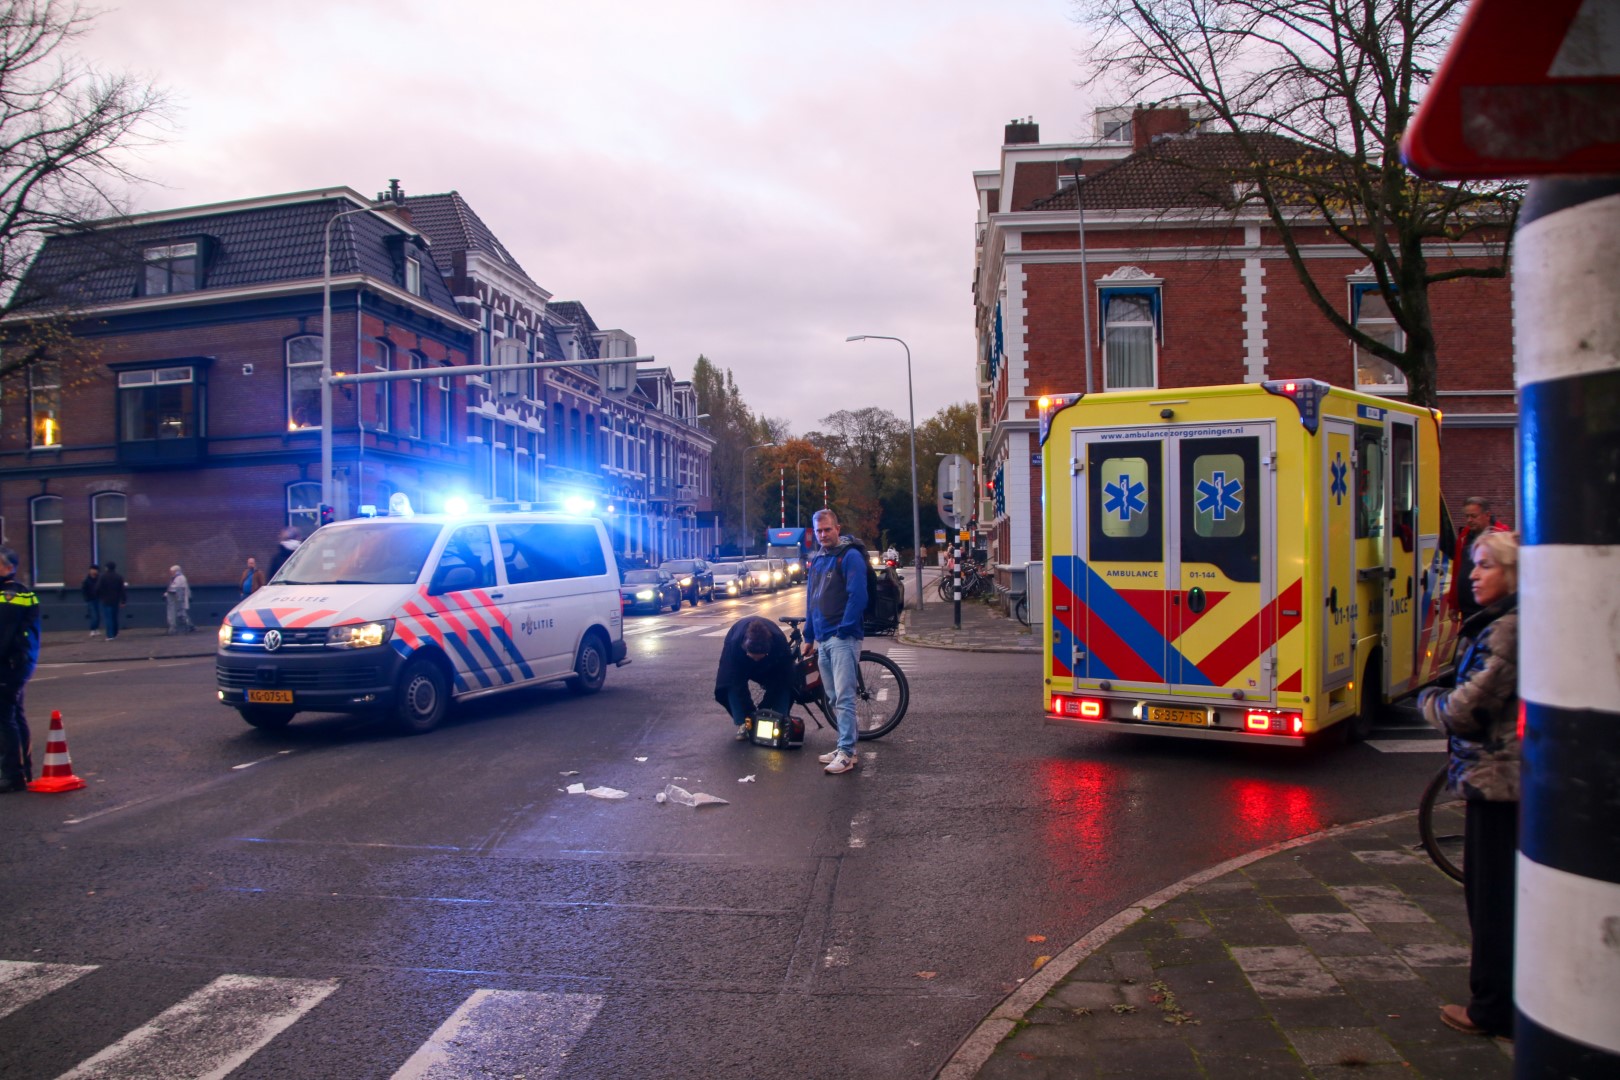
732 579
650 590
766 577
694 577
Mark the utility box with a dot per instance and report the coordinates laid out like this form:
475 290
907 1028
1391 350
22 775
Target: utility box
1037 601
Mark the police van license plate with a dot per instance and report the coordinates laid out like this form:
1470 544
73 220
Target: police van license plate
269 697
1163 714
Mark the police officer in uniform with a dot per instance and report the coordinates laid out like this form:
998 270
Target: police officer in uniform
19 651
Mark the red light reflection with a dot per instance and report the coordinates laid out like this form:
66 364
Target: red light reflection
1265 811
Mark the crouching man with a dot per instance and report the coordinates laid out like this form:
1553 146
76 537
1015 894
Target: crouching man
755 651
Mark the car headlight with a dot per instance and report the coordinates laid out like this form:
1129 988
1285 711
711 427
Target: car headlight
644 594
793 567
360 635
224 634
731 586
685 581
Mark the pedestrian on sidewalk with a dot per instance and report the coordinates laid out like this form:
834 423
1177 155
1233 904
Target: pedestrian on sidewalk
111 595
755 650
19 652
835 601
252 578
1477 521
1480 718
92 606
178 598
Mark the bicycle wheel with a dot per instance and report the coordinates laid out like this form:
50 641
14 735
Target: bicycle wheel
945 592
1445 848
1021 609
881 695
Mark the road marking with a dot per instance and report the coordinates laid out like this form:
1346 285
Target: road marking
23 983
632 631
504 1033
685 630
109 810
208 1034
1408 746
250 764
718 633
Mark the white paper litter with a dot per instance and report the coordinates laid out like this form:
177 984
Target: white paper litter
641 759
660 798
576 789
607 793
570 772
693 798
749 779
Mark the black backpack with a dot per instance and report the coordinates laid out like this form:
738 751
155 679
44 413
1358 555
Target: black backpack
882 612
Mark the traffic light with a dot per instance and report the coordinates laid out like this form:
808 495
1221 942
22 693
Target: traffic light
328 514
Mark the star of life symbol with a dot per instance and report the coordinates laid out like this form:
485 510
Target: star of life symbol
1339 469
1219 496
272 640
1124 498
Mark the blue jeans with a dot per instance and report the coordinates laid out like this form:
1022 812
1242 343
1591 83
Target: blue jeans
109 618
839 658
92 611
741 702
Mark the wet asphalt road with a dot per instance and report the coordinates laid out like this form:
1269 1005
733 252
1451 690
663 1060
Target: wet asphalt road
857 925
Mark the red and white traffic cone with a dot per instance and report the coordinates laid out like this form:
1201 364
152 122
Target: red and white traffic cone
58 772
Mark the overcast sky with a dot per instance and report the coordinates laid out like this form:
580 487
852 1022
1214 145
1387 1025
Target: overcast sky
751 180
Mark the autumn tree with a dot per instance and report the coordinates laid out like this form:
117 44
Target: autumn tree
734 428
66 130
1316 95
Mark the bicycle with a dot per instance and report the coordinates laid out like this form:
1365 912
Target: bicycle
1446 849
976 582
882 693
1021 608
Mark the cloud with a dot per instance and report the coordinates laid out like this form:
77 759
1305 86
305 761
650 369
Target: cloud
752 182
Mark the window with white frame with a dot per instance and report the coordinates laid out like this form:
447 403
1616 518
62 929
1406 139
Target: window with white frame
171 268
1130 336
414 418
45 527
413 275
505 457
446 413
303 382
158 403
108 515
382 392
304 506
1370 312
45 403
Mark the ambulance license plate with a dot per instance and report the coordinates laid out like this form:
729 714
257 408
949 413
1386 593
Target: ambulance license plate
269 697
1162 714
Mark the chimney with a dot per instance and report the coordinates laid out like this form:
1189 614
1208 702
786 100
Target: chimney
393 201
1021 131
1150 122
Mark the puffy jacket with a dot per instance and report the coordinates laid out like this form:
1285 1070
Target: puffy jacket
1481 715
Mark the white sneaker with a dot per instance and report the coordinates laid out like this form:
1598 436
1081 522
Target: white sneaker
841 762
827 757
95 633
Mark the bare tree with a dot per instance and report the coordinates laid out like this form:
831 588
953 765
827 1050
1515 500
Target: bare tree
65 133
1316 95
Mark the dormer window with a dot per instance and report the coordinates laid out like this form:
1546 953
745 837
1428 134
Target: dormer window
172 268
413 275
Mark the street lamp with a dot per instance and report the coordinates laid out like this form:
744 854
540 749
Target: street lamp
798 514
326 346
916 517
746 531
1073 165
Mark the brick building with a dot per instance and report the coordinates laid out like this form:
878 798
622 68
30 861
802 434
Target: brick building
176 419
1183 290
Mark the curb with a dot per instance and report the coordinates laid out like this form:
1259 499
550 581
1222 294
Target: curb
970 1056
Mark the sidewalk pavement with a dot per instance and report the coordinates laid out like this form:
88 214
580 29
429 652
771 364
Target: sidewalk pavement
1326 956
135 643
984 629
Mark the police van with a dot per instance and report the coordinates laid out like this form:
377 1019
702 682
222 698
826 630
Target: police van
1258 562
405 614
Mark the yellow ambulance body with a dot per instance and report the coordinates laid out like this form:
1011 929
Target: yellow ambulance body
1257 562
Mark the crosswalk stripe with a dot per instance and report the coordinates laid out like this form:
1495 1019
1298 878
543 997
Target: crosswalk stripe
24 982
685 630
504 1033
208 1034
1408 746
718 633
632 631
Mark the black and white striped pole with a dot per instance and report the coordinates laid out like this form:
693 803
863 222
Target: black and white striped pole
1567 318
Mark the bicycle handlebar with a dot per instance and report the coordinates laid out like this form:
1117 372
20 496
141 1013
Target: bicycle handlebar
791 620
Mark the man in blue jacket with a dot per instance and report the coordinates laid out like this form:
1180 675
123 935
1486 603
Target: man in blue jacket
835 598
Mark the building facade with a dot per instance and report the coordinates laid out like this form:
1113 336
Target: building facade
175 415
1181 289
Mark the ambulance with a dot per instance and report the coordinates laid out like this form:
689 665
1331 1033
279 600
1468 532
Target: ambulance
1252 563
403 615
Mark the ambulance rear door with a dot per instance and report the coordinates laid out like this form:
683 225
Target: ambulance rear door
1221 580
1337 514
1402 603
1111 595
